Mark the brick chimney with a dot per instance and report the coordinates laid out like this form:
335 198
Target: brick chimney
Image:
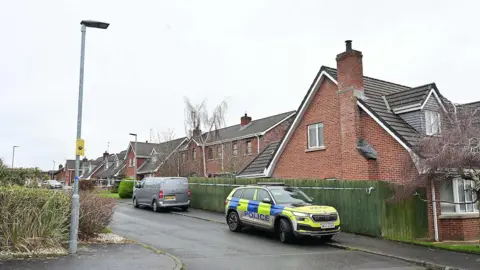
105 155
350 88
245 120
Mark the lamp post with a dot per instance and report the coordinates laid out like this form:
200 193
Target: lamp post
53 170
76 197
13 155
135 152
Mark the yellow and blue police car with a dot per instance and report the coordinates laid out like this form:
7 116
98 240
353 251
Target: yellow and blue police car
280 208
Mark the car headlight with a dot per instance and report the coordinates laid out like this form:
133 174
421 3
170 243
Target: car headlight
298 214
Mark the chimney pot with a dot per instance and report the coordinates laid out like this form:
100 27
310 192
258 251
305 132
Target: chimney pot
348 45
245 120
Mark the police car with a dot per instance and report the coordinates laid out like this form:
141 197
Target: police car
280 208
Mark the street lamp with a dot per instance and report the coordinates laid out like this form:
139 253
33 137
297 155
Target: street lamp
135 152
53 171
76 197
13 155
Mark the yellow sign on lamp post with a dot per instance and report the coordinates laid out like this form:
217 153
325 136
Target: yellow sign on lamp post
80 149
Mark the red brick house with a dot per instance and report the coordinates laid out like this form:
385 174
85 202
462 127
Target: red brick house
232 148
66 173
353 127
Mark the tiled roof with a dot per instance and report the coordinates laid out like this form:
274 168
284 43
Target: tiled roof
261 161
112 170
412 96
94 170
374 90
70 164
122 154
255 127
143 148
163 150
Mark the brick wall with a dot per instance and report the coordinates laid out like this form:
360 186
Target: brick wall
295 162
452 228
130 171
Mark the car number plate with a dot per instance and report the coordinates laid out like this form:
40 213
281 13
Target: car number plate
170 198
328 225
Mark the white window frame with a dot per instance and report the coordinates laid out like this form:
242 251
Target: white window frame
433 123
317 145
456 198
249 146
235 149
130 162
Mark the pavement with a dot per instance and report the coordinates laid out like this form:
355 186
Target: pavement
202 244
425 256
100 257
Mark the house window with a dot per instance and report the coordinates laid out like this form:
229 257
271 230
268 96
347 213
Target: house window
154 158
315 136
184 158
194 154
432 123
130 163
209 153
458 191
249 148
219 151
235 149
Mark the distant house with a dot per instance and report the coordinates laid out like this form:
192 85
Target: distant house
163 160
233 147
108 167
66 173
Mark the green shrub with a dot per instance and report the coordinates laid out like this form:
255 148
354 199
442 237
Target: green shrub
115 185
86 185
96 213
33 218
125 190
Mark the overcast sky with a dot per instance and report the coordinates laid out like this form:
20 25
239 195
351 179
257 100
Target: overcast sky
259 55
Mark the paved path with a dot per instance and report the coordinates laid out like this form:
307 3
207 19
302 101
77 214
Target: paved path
99 257
209 245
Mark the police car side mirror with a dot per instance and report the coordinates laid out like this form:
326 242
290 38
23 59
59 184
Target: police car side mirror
267 200
138 185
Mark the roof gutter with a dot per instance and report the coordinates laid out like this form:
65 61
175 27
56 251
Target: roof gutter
258 175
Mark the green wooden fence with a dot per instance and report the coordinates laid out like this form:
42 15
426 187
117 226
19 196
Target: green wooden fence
360 212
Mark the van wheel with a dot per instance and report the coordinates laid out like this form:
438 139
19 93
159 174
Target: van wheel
233 222
285 231
155 207
135 202
184 208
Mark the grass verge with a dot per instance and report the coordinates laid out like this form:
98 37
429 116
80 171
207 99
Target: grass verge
108 194
465 248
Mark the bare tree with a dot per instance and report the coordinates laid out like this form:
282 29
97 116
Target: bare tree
198 119
452 154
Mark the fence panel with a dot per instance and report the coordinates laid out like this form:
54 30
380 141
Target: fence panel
362 209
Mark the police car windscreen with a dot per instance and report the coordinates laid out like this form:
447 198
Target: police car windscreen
284 195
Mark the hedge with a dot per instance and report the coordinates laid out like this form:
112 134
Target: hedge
125 190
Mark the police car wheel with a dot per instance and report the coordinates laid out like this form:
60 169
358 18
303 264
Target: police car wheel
285 231
234 222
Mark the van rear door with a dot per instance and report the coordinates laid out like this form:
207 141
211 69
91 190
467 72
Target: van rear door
175 190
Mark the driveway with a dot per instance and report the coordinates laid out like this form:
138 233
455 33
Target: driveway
207 245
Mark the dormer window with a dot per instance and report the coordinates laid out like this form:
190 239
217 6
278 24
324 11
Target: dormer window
154 158
432 123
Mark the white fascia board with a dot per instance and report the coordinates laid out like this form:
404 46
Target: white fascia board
408 108
277 124
434 93
234 139
297 120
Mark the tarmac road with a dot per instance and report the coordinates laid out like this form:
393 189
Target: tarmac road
206 245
